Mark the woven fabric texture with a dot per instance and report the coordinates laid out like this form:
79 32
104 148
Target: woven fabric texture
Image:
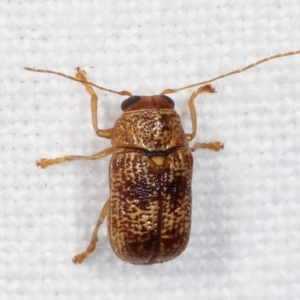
245 239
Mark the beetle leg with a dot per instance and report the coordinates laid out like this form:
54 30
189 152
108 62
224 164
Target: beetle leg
44 162
216 146
79 258
94 104
105 133
202 89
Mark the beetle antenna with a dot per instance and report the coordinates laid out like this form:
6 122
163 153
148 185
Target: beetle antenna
170 91
122 93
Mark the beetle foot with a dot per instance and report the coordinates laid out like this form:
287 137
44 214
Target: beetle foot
216 146
44 163
81 75
79 258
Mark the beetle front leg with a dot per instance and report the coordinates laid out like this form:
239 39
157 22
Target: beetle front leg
202 89
105 133
79 258
44 162
94 106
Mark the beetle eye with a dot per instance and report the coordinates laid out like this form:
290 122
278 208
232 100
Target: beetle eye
168 99
128 102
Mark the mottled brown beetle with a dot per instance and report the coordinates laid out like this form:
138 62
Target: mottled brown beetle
150 173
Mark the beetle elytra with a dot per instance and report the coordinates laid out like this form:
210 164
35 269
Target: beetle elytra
150 172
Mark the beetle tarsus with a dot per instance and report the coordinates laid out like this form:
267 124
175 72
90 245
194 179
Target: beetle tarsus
79 258
44 163
216 146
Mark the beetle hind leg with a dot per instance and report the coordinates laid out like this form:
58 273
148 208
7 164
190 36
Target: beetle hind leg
79 258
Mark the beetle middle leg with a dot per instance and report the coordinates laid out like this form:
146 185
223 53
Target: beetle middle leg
44 162
79 258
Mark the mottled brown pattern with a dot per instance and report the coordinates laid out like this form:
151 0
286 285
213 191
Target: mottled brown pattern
150 206
149 129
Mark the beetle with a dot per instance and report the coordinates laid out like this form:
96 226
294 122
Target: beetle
150 173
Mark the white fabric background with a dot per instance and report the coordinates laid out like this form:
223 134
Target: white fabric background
245 238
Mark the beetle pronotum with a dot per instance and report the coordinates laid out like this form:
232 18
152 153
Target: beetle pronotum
149 208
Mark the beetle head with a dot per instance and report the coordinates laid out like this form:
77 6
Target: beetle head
147 102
